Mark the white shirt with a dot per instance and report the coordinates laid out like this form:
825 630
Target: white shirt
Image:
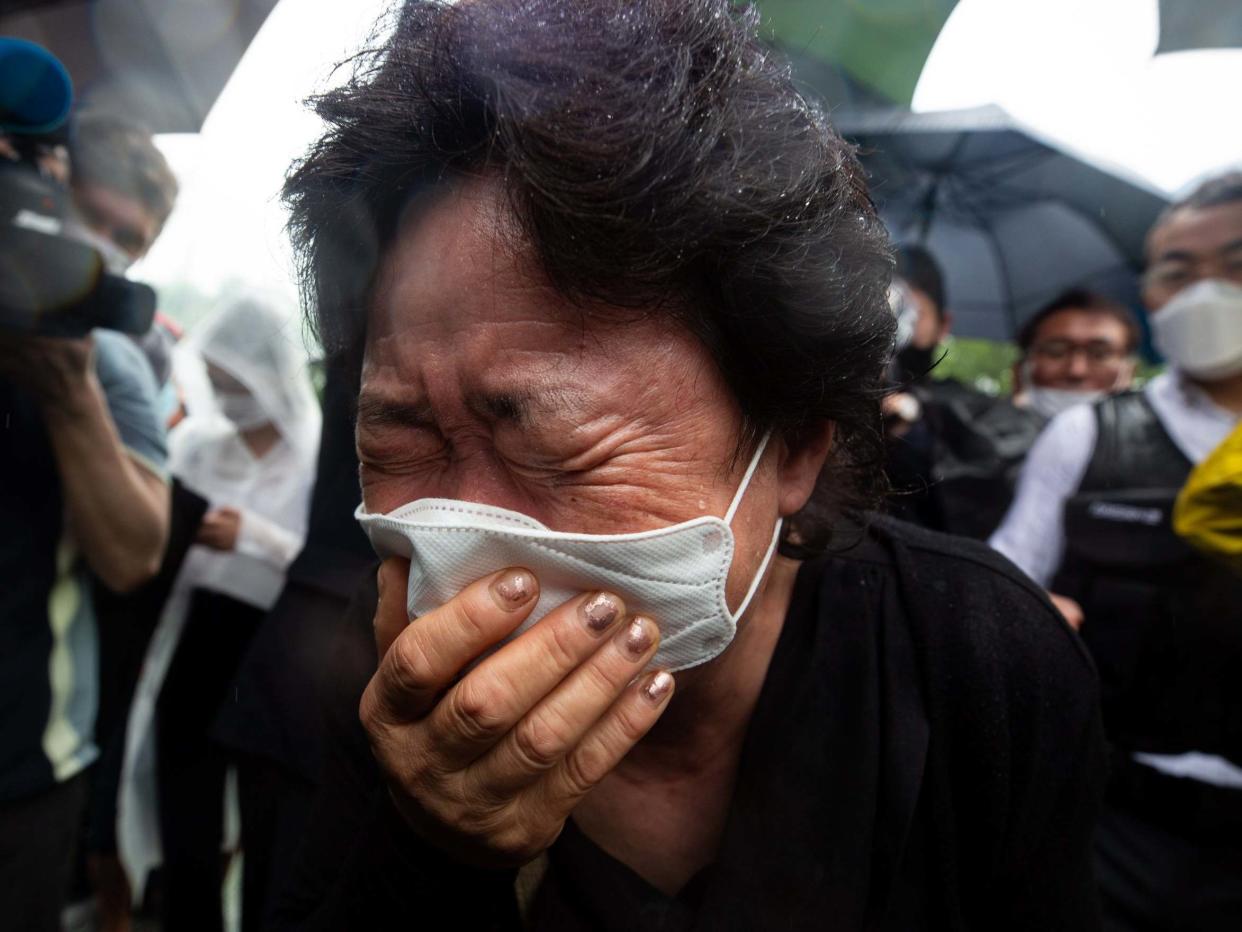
1033 532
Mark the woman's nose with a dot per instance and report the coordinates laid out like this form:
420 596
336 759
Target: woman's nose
481 477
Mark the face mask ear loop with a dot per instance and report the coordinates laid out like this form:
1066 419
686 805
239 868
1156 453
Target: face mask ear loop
776 531
750 471
763 568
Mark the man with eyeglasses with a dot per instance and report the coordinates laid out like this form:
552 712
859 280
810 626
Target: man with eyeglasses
1092 523
1075 350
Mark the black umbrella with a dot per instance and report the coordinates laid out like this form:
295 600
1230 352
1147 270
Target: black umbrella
1012 220
160 63
1199 24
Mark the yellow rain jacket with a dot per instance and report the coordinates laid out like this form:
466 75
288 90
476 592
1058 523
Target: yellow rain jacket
1208 513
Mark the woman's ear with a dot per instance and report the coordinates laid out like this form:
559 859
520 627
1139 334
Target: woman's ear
801 460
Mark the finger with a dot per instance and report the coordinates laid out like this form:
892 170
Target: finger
494 696
552 729
604 745
391 616
425 657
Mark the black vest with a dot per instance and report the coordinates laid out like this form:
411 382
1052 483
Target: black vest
1163 622
980 449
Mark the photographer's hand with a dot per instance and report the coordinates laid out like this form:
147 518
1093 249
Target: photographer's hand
117 508
56 371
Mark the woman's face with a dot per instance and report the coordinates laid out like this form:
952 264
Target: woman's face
480 383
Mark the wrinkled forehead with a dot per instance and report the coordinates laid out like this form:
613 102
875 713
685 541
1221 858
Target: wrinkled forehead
1196 233
458 260
460 287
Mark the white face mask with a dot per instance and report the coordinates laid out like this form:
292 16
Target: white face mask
675 575
1052 401
1200 329
242 409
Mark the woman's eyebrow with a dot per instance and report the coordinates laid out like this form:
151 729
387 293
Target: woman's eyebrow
518 405
377 411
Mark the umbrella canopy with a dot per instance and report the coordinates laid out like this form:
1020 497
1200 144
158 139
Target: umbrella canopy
882 44
1013 220
1199 24
162 64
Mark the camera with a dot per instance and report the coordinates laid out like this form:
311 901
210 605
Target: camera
51 283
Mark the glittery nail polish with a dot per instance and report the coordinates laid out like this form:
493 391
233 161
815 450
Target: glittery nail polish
636 638
600 611
513 588
658 687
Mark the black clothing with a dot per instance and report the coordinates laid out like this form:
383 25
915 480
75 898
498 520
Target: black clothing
1164 622
272 710
275 806
33 512
46 727
925 754
1156 879
271 719
956 468
126 624
38 836
190 768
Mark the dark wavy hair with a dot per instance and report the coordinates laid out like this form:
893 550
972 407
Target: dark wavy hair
657 157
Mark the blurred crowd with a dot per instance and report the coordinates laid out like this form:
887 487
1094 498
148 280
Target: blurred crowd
179 543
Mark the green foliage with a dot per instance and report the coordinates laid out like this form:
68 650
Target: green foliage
988 364
882 43
984 364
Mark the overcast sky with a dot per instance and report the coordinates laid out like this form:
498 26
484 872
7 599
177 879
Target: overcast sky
1079 71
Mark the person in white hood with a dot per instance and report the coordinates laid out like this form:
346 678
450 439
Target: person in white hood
1092 523
250 451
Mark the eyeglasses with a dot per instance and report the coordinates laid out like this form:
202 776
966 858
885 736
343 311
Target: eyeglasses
1097 353
1176 274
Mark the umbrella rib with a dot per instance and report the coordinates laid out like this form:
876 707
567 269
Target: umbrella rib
992 241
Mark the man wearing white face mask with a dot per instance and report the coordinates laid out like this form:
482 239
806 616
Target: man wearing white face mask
1092 523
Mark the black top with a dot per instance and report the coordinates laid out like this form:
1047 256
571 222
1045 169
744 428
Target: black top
957 467
925 754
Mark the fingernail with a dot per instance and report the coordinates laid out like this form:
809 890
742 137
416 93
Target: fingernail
600 611
658 687
379 582
636 638
513 588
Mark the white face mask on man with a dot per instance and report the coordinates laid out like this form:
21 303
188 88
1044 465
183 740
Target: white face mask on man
1052 401
675 575
1200 329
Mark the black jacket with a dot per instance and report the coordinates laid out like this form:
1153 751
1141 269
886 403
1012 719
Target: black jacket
926 754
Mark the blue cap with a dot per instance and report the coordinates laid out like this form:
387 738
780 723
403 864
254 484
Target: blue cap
35 90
